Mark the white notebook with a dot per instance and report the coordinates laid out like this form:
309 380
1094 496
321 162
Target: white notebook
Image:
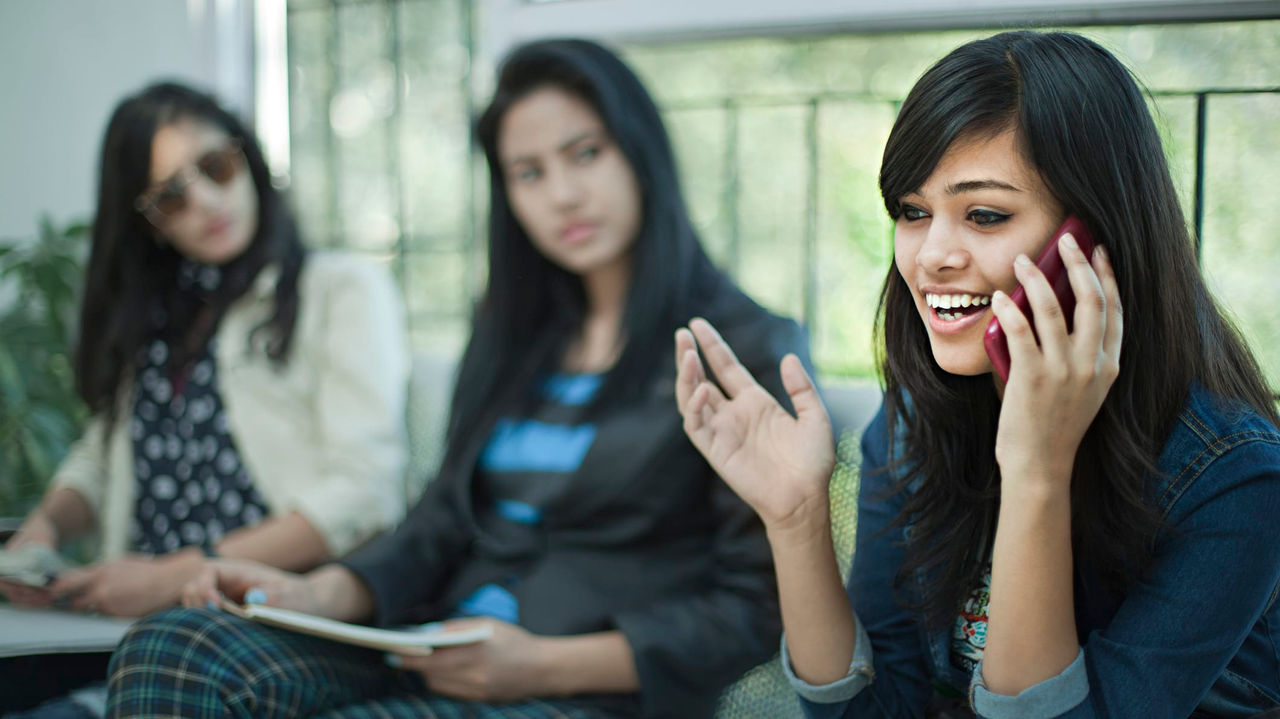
420 640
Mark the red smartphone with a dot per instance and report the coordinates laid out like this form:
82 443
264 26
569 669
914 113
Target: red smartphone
1050 263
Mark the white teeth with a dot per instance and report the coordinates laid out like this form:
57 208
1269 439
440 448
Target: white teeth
947 302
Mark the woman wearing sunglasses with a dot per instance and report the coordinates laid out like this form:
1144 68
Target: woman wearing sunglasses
619 575
247 396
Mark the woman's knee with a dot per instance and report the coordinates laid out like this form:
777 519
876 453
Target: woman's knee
196 639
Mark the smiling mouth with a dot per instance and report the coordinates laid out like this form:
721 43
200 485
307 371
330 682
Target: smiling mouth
950 308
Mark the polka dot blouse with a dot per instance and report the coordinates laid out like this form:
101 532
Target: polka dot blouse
192 487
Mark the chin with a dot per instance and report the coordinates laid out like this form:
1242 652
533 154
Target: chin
223 254
963 363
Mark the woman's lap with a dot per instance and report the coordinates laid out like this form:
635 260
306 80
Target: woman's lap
200 663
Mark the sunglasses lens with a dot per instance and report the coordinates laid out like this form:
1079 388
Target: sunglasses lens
170 200
219 166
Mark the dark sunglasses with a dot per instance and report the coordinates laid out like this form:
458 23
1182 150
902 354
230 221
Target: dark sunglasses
170 197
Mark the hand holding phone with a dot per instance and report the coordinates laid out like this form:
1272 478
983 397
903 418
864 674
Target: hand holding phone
1055 271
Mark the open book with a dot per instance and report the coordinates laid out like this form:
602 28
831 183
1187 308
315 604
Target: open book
419 640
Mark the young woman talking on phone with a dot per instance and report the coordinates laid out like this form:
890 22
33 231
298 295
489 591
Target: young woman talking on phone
1098 536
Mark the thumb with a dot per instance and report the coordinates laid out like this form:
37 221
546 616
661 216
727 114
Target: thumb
804 396
256 595
203 590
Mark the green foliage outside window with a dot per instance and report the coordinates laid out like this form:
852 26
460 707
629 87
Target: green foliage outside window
40 414
780 138
779 141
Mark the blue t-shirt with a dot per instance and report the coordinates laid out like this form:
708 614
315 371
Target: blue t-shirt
525 466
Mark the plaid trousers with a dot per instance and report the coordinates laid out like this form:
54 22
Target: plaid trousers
200 663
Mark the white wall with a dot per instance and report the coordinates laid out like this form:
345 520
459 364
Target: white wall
64 64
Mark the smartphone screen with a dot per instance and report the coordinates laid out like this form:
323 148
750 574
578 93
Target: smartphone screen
1050 263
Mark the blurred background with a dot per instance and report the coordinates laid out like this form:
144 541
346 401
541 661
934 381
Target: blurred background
779 113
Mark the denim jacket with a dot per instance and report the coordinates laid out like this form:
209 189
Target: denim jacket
1197 636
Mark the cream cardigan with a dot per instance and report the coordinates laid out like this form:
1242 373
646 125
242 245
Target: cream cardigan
323 435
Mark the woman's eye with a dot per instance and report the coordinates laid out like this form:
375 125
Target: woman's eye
986 218
527 174
586 154
910 213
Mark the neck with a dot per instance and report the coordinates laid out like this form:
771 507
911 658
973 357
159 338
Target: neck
606 292
600 337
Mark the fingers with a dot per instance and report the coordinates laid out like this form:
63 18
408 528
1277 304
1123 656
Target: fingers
456 672
203 590
1017 330
799 387
74 582
237 578
26 595
688 368
697 398
699 414
1091 304
732 375
1113 335
1050 324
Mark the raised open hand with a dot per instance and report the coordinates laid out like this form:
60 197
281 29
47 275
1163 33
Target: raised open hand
777 463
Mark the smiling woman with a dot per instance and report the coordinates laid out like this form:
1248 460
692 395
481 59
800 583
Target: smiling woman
957 237
1048 546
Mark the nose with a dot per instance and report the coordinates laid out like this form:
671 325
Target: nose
564 187
943 248
203 192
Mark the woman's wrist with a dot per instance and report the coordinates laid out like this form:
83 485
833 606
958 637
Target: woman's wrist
808 524
181 567
1035 483
336 592
584 663
549 667
39 527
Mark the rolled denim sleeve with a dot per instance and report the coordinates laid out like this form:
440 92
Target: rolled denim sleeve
859 676
1052 697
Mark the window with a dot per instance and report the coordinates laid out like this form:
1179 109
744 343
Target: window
379 96
779 141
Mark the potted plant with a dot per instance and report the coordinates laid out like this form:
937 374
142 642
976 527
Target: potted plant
40 414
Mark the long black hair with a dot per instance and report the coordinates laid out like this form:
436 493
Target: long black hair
531 307
1080 119
133 278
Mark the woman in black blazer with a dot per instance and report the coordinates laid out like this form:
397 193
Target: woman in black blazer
620 576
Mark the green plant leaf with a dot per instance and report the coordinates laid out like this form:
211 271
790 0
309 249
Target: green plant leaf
40 413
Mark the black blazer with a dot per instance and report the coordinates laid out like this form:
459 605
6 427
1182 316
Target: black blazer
648 541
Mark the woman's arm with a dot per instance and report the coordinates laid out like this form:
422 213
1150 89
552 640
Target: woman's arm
361 353
1031 625
1056 388
288 542
331 591
816 616
62 515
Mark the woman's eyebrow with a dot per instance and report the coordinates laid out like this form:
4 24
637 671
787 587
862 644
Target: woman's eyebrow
973 185
567 144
